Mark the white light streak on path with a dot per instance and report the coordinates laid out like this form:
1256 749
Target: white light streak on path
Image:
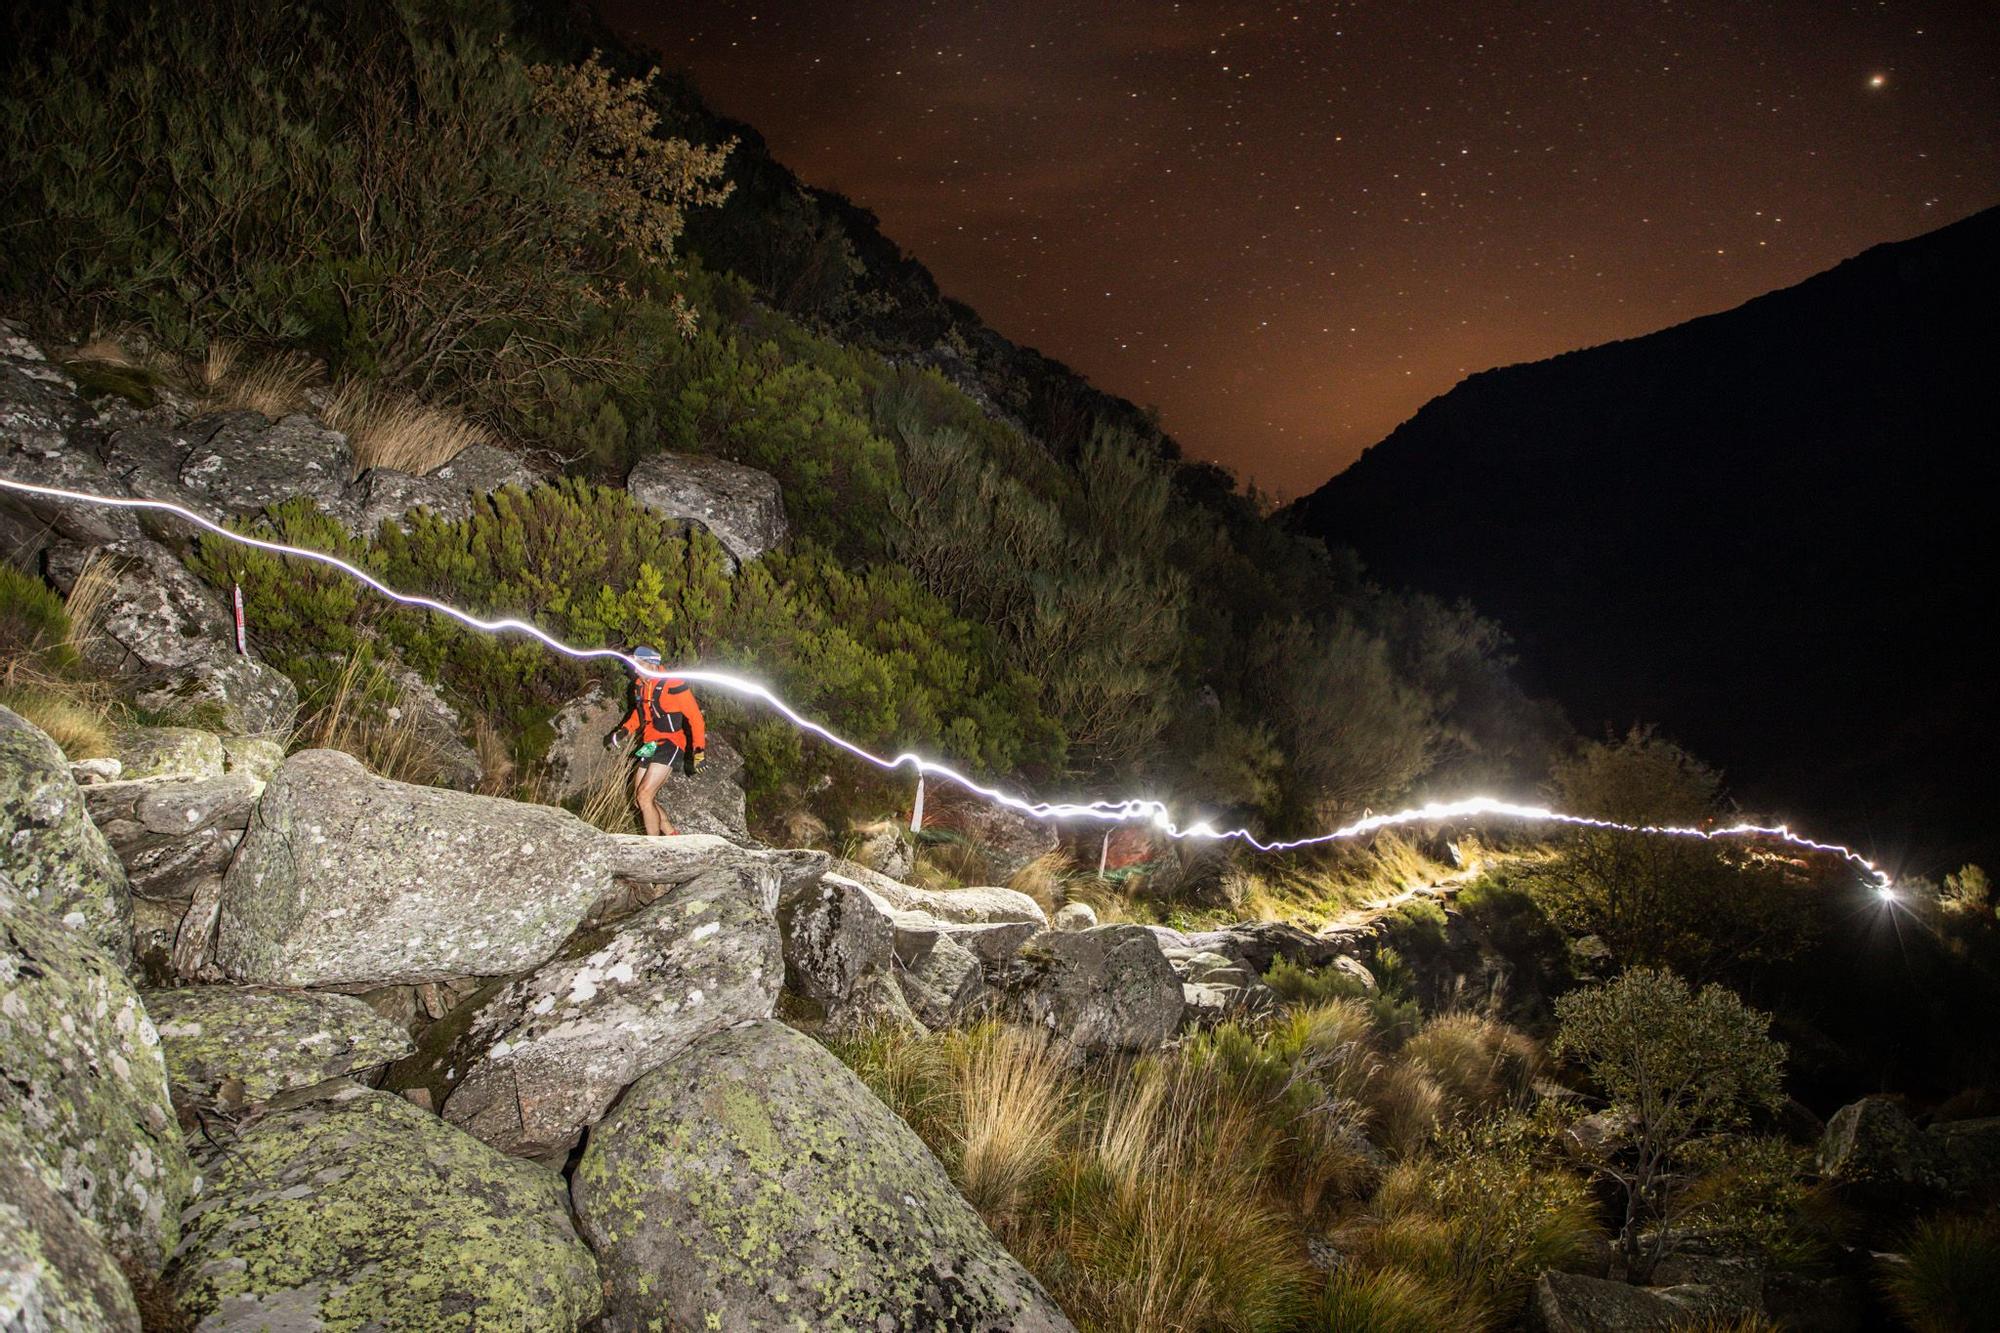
1133 810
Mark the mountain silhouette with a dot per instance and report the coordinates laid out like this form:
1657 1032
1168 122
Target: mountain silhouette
1769 530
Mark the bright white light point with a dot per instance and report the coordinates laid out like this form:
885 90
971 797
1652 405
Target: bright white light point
1886 892
1878 80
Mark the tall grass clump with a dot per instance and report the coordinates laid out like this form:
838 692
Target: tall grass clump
1948 1278
42 673
1012 1109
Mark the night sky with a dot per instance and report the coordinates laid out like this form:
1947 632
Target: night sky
1287 226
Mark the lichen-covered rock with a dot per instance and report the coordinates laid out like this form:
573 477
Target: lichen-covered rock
836 940
1573 1303
1103 991
349 879
161 624
742 507
1871 1148
242 1045
641 865
256 756
350 1209
82 1081
155 926
528 1066
942 980
446 491
55 1274
242 462
1260 943
58 860
753 1182
187 753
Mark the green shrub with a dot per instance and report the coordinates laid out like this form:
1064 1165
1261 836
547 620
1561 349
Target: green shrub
870 653
1755 1194
1948 1278
34 624
1418 926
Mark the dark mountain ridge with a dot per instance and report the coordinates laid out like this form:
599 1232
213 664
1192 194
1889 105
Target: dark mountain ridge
1769 530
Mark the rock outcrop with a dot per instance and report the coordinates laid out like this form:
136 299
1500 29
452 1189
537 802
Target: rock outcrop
239 1046
83 1083
162 628
49 848
754 1182
742 507
55 1274
1573 1303
1874 1153
1099 992
350 879
528 1066
348 1207
447 491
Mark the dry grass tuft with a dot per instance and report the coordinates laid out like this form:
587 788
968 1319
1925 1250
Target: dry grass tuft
1478 1063
1012 1113
85 603
1408 1106
79 718
608 804
275 385
497 770
1045 879
353 716
388 429
106 350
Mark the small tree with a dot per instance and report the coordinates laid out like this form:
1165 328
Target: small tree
1699 907
1680 1064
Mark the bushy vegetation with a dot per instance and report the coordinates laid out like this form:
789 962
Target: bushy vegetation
1680 1065
872 653
1177 1192
1708 909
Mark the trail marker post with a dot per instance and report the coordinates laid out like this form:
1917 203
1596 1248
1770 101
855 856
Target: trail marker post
917 810
242 643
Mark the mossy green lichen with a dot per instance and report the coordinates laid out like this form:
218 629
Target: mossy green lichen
56 857
83 1083
54 1271
266 1041
351 1209
754 1182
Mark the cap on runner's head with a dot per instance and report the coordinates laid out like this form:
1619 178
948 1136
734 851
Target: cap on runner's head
650 656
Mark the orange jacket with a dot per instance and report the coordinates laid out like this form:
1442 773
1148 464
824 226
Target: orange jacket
665 710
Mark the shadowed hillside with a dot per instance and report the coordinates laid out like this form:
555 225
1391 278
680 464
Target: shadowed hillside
1768 529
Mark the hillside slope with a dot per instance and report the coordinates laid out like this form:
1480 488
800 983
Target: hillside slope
1768 530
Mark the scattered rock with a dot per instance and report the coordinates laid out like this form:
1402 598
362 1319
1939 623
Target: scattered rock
1103 991
350 879
1074 916
55 1273
1260 943
885 851
642 866
51 850
754 1182
349 1207
194 942
436 732
265 1041
535 1062
82 1082
244 695
742 507
169 835
1007 839
90 771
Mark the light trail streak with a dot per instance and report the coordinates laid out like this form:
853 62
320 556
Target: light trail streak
1131 810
